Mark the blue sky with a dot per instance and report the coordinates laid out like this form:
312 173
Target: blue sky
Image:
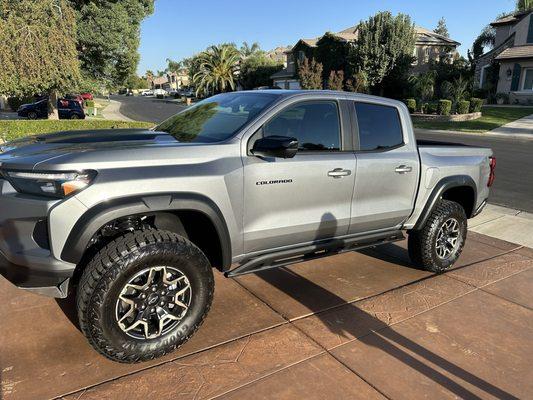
180 28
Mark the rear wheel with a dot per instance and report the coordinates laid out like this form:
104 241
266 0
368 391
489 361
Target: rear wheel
143 295
437 246
74 116
32 115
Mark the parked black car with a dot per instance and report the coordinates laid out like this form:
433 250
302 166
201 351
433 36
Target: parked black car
67 109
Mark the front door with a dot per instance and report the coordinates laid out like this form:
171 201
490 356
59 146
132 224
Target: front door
305 198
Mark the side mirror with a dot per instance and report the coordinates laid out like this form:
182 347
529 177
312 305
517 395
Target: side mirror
275 146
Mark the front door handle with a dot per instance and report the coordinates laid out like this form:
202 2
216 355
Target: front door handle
402 169
339 173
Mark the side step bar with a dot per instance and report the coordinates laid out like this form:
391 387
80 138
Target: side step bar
313 251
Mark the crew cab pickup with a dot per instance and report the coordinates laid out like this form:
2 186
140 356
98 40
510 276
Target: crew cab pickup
132 222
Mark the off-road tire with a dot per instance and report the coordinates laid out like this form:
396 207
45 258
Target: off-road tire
108 271
422 243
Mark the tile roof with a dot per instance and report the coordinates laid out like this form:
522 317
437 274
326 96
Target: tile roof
525 51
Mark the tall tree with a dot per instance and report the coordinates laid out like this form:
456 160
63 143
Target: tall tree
256 70
217 70
382 41
108 35
310 74
486 38
524 5
173 66
441 28
37 50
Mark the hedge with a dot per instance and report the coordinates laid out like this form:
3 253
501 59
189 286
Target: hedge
463 106
411 105
475 104
444 107
432 108
16 129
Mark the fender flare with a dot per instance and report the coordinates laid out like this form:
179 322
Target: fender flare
444 184
99 215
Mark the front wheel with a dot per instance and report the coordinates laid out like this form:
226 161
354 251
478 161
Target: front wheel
438 245
143 295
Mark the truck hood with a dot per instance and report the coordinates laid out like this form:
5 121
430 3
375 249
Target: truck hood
28 152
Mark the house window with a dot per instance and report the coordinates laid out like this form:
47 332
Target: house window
301 56
528 79
483 75
427 51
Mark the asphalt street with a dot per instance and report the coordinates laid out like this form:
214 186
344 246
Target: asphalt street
514 171
148 109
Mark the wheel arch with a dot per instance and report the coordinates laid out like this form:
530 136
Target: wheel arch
95 218
459 188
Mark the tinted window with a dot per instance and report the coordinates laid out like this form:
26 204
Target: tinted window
379 126
216 118
315 125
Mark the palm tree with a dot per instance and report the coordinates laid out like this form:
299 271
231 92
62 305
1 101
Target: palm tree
247 50
424 84
217 69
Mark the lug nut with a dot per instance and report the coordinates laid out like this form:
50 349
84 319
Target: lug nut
152 310
143 296
162 303
154 289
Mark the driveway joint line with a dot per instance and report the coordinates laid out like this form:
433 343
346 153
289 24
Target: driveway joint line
505 299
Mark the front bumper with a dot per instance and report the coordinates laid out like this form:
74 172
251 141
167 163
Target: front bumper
25 256
52 282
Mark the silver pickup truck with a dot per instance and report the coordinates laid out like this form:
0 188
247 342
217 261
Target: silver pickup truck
131 222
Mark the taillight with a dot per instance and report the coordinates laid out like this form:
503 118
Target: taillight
492 164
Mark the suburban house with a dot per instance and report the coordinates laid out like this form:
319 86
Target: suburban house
513 53
430 46
170 80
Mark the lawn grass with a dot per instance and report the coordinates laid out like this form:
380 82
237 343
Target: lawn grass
492 117
16 129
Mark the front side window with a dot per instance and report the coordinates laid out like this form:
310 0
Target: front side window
315 125
379 126
217 118
528 79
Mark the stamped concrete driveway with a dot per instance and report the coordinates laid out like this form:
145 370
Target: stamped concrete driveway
358 325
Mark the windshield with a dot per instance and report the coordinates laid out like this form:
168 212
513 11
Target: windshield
217 118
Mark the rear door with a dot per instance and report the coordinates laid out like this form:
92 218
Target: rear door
306 198
387 168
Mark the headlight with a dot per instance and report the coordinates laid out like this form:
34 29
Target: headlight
51 184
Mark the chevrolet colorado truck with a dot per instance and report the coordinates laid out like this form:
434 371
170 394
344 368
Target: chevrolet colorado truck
132 222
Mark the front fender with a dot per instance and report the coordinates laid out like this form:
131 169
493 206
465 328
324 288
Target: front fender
96 217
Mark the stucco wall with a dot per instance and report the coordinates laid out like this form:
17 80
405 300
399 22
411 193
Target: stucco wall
504 82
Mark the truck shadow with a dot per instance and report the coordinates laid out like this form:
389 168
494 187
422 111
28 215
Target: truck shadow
385 339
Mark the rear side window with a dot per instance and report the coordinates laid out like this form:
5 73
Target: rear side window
315 124
379 126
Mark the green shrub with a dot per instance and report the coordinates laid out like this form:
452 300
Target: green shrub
89 103
475 104
411 105
444 107
16 129
431 108
463 106
502 98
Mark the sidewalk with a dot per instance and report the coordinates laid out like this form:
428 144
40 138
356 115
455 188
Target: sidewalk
504 223
112 112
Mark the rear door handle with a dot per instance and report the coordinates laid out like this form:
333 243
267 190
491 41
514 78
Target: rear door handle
402 169
339 173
